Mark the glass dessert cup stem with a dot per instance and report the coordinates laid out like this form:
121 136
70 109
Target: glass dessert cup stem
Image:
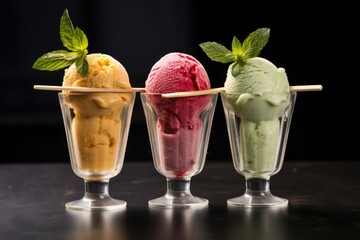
258 128
96 198
258 194
178 194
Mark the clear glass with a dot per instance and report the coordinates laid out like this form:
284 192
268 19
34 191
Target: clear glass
258 128
179 131
97 127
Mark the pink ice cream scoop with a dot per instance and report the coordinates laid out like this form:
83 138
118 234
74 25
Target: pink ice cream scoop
178 124
177 72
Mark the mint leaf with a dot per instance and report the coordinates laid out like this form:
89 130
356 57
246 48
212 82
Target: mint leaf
236 68
72 39
236 47
255 42
67 31
217 52
55 60
240 52
82 65
75 40
80 40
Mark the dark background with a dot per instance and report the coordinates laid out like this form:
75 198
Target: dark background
315 43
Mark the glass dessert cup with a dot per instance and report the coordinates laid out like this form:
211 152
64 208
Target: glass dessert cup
96 127
179 131
258 128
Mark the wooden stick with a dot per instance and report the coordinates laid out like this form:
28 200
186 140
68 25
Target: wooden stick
299 88
85 89
193 93
306 88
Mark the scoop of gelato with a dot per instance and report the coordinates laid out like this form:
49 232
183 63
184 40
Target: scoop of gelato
97 122
179 126
104 72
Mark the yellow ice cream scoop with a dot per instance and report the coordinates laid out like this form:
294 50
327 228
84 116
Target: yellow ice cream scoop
104 72
97 121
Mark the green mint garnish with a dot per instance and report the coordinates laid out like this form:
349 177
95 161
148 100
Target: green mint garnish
240 53
75 40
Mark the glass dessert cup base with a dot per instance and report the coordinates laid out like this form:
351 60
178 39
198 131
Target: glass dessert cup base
178 195
257 195
96 198
249 201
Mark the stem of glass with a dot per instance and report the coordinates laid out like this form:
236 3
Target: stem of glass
96 189
178 187
258 187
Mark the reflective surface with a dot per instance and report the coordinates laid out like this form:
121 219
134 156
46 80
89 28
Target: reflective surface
324 203
177 223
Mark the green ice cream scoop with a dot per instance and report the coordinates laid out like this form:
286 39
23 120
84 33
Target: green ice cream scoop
259 141
257 77
258 93
259 130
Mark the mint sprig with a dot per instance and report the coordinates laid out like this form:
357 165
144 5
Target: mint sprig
76 43
240 53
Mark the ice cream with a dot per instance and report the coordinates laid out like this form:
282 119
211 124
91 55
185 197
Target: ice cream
259 95
178 121
177 72
104 72
97 121
257 76
257 91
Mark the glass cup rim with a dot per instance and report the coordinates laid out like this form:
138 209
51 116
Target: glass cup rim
92 93
257 94
159 94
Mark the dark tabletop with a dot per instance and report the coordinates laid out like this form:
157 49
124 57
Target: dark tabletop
324 203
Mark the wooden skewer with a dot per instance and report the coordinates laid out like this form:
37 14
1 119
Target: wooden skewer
85 89
299 88
305 88
193 93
